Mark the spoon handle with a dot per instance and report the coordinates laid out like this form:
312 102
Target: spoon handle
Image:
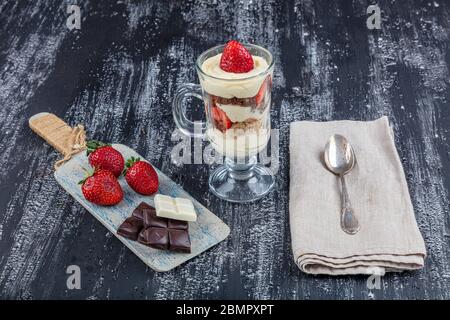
349 222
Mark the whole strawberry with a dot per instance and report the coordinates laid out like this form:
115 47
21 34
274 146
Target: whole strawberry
103 156
141 176
236 58
101 187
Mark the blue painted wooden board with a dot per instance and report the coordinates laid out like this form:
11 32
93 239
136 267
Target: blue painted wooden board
207 231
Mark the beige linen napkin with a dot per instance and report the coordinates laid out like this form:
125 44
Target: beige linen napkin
389 239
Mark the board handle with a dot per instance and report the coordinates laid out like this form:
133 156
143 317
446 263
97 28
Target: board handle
67 140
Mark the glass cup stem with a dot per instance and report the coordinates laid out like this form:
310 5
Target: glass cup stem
241 170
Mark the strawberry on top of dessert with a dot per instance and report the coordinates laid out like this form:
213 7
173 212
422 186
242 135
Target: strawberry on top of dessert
236 58
237 64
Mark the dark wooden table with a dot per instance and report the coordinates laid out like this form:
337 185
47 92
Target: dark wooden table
117 75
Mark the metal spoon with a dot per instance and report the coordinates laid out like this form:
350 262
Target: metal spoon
340 159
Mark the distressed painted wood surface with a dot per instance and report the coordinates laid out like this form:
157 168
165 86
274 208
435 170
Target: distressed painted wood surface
118 74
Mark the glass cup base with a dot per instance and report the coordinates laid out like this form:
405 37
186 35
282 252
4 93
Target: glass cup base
241 183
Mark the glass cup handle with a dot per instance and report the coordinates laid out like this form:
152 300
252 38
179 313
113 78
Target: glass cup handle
193 129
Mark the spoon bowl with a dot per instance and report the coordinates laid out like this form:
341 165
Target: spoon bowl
339 155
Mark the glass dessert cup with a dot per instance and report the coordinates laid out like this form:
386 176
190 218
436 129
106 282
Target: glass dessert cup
237 107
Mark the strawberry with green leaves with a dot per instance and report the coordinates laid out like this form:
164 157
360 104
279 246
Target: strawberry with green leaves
104 156
141 176
101 187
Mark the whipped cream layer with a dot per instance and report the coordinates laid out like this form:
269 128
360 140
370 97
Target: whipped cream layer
240 87
237 113
238 143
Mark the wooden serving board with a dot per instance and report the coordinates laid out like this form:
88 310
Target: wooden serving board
206 232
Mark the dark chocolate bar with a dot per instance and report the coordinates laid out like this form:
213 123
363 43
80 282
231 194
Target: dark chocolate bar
130 228
157 238
152 220
174 236
177 224
138 212
160 233
179 241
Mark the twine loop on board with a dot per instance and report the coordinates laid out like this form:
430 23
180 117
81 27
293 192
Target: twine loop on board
77 143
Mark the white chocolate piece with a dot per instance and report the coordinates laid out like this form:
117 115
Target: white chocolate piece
174 208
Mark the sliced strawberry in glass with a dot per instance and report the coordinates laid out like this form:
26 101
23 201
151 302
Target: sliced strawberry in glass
262 90
221 119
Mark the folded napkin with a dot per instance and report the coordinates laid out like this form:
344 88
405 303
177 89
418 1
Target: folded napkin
389 239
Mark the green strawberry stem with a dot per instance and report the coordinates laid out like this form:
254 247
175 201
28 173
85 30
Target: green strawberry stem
130 162
88 173
93 145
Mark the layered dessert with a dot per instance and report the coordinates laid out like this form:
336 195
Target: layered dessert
237 89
